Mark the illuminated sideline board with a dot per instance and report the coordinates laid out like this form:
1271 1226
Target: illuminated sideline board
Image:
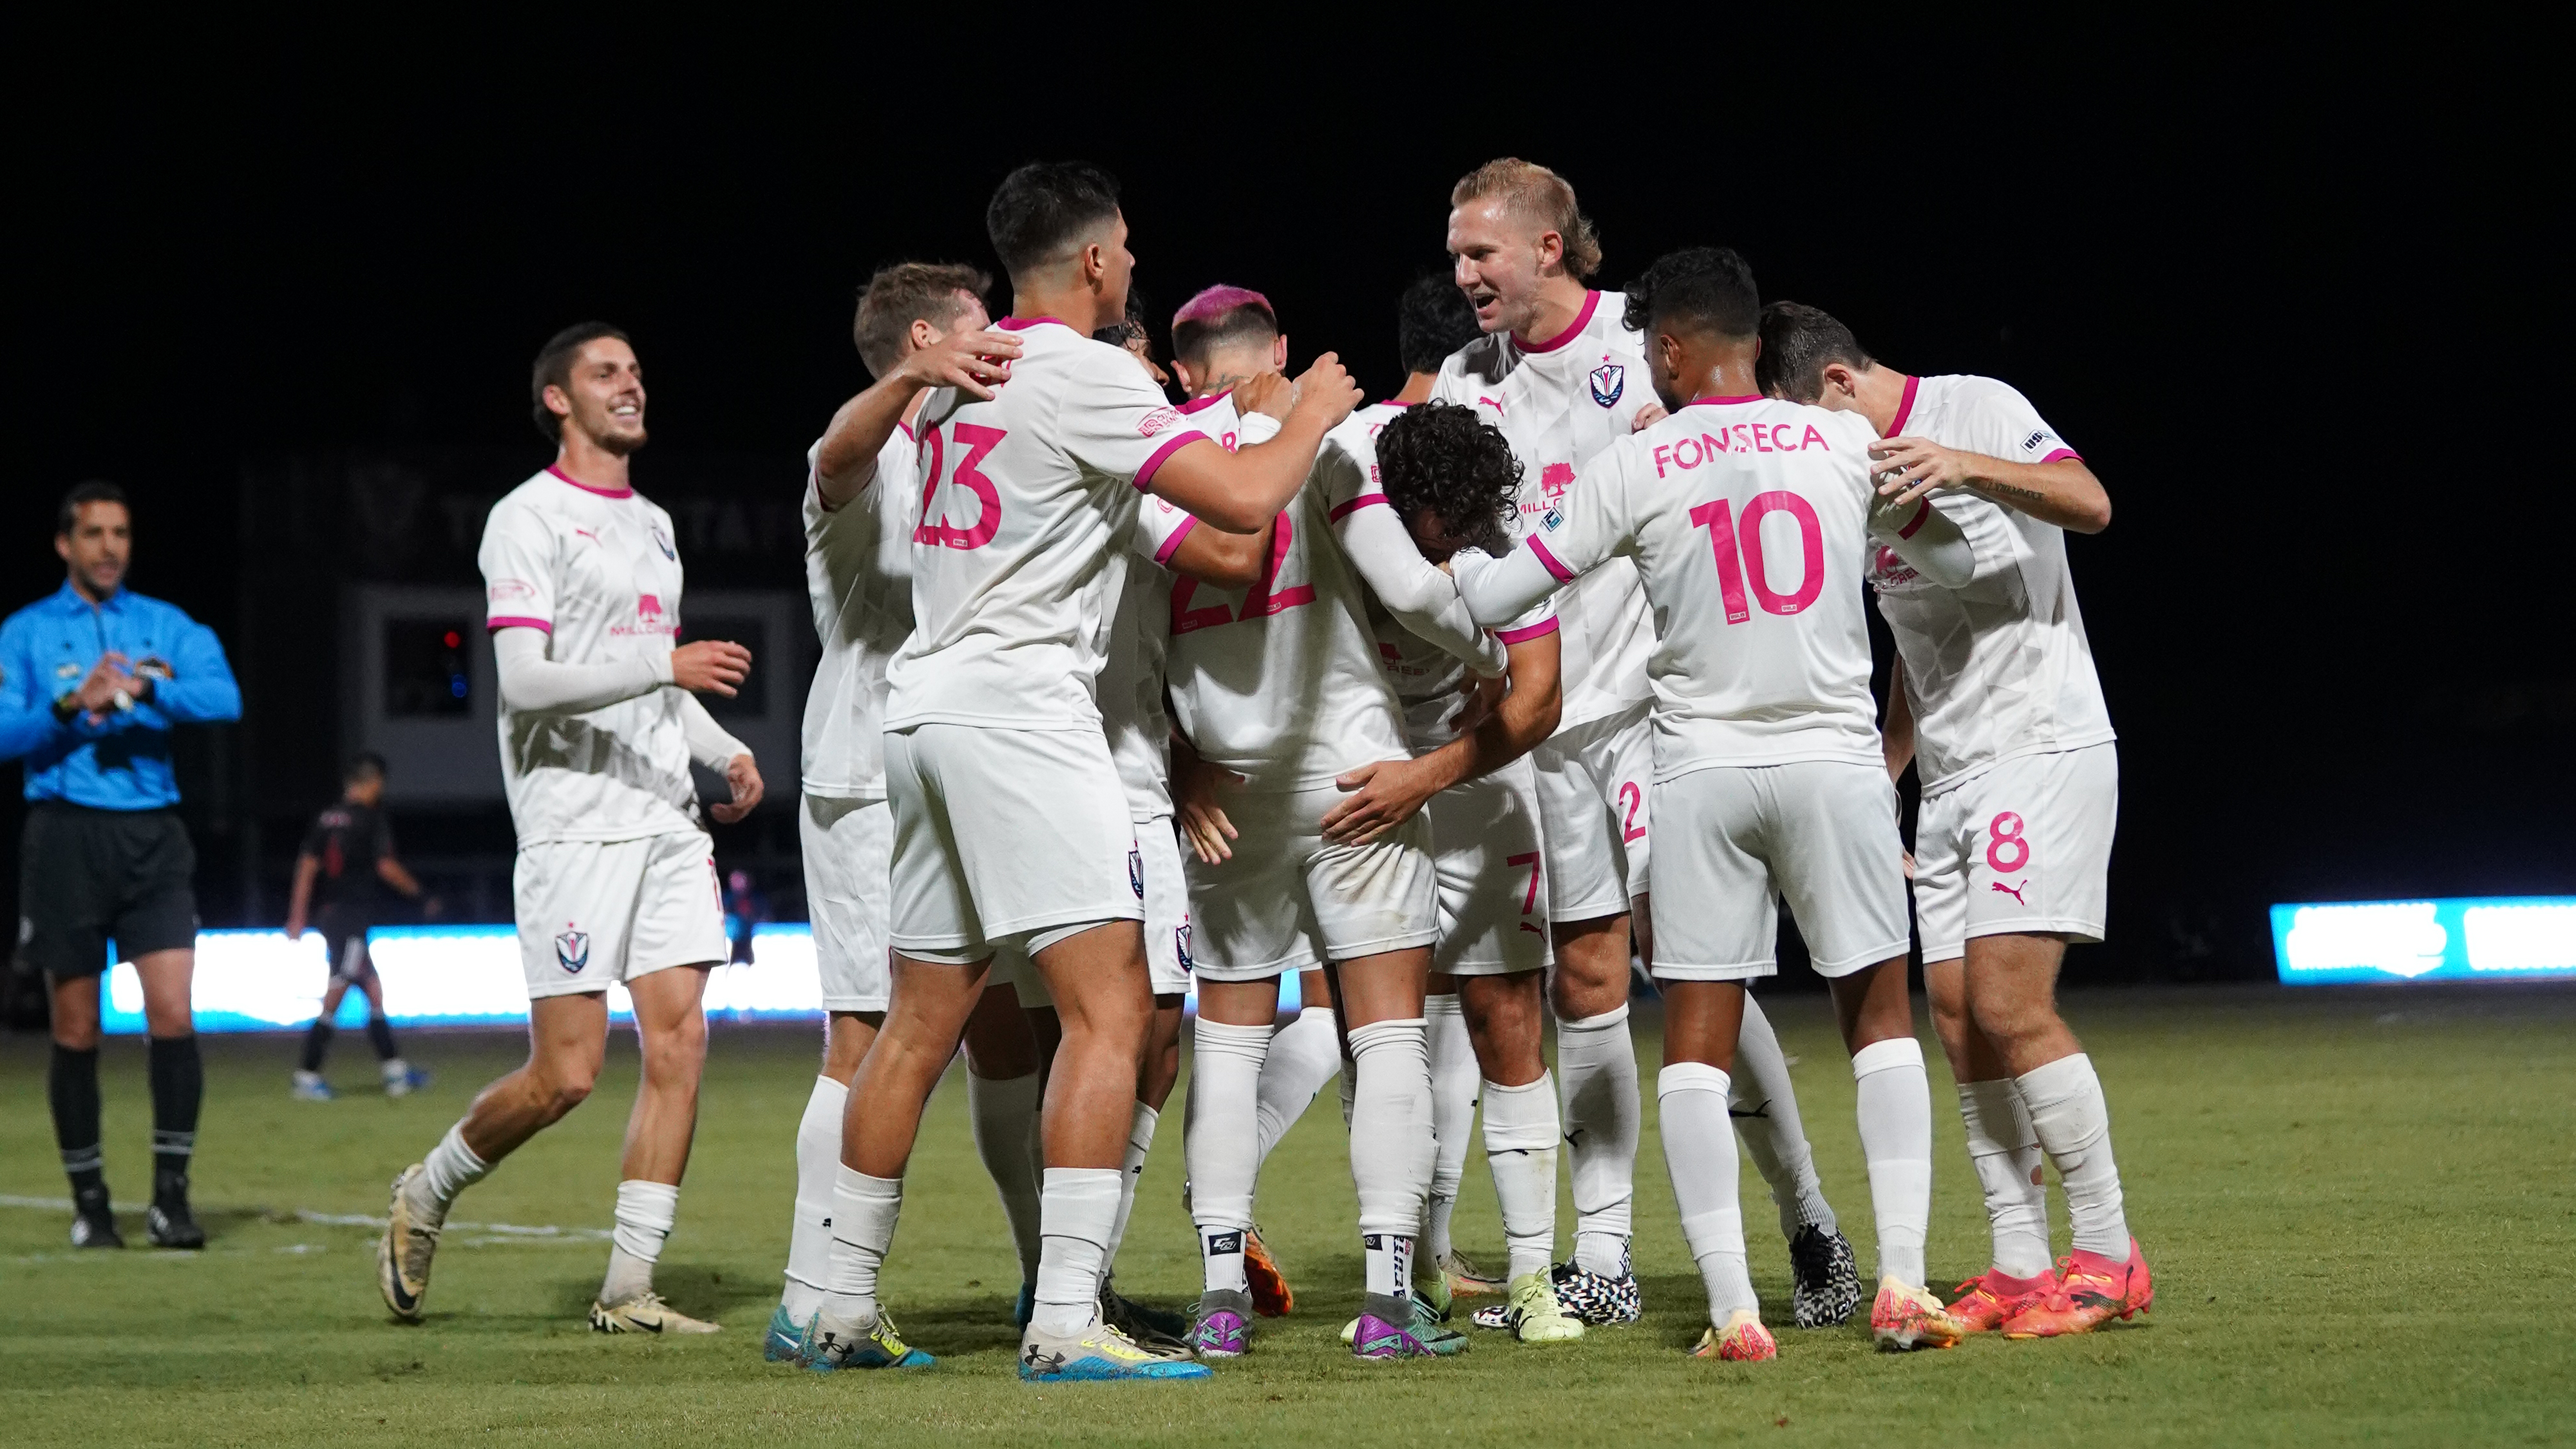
453 976
2483 938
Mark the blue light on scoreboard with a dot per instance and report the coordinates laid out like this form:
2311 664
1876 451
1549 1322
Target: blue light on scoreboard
2483 938
453 976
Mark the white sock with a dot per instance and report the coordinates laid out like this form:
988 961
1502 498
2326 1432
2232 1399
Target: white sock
1078 1204
1765 1107
1390 1263
2005 1153
1218 1142
1391 1147
1699 1148
2073 1124
1521 1133
1596 1066
450 1168
645 1212
1003 1110
1453 1114
1304 1055
1895 1109
394 1069
864 1210
809 1233
1140 1140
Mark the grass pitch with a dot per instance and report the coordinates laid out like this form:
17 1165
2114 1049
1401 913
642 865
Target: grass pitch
2361 1209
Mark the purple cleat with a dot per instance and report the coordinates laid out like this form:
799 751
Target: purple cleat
1224 1325
1377 1340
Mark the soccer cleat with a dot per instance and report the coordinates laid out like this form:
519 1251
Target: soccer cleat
646 1313
169 1224
1597 1299
1743 1340
833 1344
309 1087
1097 1354
1825 1278
1157 1329
1464 1279
2091 1290
1024 1307
785 1340
402 1079
1536 1315
1224 1324
1991 1299
96 1230
404 1252
1423 1325
1271 1295
1906 1317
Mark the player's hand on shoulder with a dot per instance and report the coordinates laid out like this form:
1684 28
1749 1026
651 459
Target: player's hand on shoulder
742 775
1268 393
1327 391
1647 416
710 666
974 363
1907 468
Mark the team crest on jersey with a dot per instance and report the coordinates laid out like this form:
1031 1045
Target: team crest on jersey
1181 946
572 950
1136 871
1608 381
662 540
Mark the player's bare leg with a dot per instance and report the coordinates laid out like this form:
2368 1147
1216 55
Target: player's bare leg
1876 1014
1596 1063
1004 1081
671 1028
2011 983
1522 1129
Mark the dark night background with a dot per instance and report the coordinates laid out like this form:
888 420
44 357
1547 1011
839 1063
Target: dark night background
2281 290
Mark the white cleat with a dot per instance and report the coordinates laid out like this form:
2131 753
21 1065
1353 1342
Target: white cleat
403 1254
646 1313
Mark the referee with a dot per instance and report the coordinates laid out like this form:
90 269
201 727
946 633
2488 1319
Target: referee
91 681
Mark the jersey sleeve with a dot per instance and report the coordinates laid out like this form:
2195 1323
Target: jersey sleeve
2006 426
200 688
517 560
1160 527
1114 421
1537 623
1421 598
317 838
1591 527
26 706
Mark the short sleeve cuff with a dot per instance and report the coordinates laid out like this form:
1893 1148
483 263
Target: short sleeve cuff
1172 545
2056 454
1345 509
1170 445
517 621
1557 571
1539 630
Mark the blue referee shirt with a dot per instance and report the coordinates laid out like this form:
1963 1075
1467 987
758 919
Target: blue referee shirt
50 646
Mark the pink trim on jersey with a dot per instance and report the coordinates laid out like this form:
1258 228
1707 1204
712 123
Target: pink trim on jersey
1171 445
1172 545
1022 324
1922 511
1582 319
1395 402
1343 510
1753 397
1211 400
1904 409
907 429
508 621
1560 572
1539 630
590 487
2063 453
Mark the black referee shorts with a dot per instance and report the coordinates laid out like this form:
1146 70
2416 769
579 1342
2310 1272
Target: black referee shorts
87 875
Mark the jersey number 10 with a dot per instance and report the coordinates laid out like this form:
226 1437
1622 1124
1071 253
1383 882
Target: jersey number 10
1737 544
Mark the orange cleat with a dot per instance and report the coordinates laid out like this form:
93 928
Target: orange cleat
2091 1291
1271 1295
1991 1299
1743 1340
1906 1317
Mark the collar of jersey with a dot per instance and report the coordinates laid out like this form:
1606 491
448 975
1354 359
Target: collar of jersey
1211 400
1904 409
589 487
1582 319
71 599
1700 402
1022 324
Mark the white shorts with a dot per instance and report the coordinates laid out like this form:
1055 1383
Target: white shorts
1486 843
1289 899
1154 869
1004 838
1736 839
2024 846
591 912
1593 782
848 848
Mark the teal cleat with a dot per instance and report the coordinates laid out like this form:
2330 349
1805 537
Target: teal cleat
1098 1354
1421 1326
785 1341
832 1344
1025 1307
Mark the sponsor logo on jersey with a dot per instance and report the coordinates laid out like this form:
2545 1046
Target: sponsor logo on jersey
1554 479
1181 946
505 591
1157 420
572 950
662 541
648 608
1608 381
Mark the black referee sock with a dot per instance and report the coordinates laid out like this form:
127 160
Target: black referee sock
178 1088
317 1040
381 1032
71 1084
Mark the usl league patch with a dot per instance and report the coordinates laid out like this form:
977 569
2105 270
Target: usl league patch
1608 381
572 950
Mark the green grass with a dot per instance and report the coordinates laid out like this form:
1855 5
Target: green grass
2361 1208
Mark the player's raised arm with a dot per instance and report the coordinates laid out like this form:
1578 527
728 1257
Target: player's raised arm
1242 491
1924 536
919 327
2062 491
1393 546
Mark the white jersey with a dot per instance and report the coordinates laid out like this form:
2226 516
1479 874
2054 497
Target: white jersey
858 577
600 574
1021 501
1559 403
2000 667
1131 678
1749 521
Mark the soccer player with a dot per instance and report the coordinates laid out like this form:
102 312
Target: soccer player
1998 702
919 326
1279 693
347 863
1747 519
1010 828
1552 371
92 679
616 879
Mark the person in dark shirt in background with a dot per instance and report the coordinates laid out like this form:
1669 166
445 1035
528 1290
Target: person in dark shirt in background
340 879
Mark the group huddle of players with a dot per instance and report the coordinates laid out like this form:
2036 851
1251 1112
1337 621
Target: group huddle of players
1120 695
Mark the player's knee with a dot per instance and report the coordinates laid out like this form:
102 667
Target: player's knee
2009 1017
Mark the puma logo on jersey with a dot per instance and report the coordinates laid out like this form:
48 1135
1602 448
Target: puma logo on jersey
2013 891
1491 402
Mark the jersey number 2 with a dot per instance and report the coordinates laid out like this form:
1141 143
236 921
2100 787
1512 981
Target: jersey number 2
1260 602
1737 545
977 441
